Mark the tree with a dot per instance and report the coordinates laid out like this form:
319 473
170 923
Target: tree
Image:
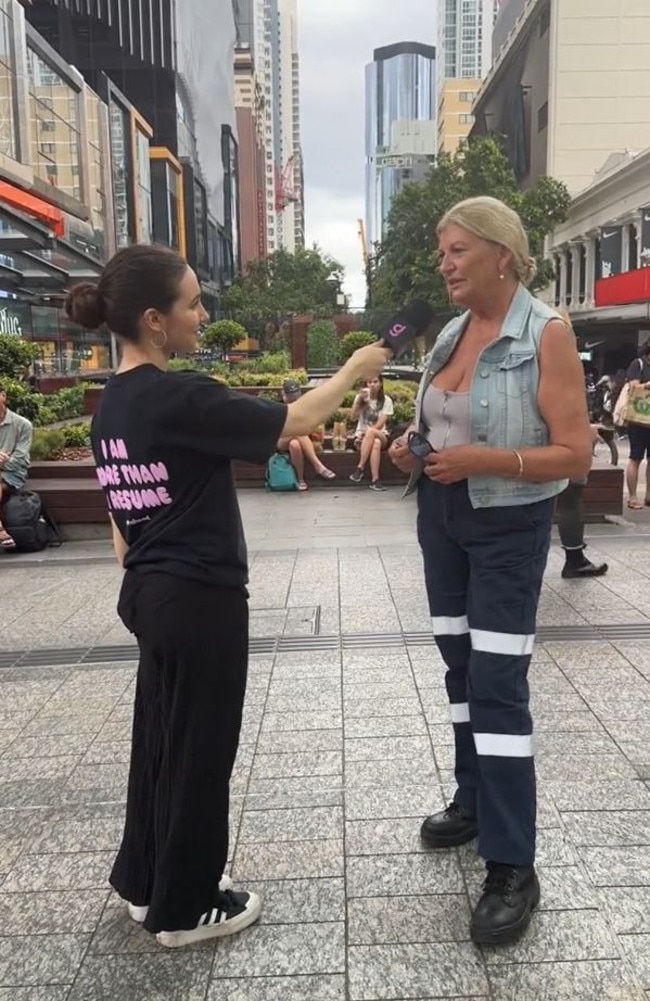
404 266
16 356
352 341
285 284
223 335
322 344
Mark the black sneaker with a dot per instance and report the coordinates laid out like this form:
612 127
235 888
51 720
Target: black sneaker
378 486
510 895
231 913
585 570
357 475
454 826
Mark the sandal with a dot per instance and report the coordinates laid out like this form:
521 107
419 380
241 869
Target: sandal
634 504
302 486
7 544
327 474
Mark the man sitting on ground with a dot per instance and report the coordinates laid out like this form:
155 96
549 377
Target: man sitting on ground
15 444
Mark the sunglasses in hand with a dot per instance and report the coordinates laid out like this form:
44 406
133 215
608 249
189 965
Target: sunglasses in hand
418 445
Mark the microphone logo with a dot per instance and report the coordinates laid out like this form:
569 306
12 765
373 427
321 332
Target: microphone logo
397 330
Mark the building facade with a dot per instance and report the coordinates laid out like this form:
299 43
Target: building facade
173 62
455 118
401 131
602 261
569 86
57 221
249 107
465 37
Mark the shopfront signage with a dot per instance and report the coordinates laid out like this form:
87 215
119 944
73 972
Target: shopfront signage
10 323
611 251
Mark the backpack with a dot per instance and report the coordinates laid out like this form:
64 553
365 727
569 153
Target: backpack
280 474
28 523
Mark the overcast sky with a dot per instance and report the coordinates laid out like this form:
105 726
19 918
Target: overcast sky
336 41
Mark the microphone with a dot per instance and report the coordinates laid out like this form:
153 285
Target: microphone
411 321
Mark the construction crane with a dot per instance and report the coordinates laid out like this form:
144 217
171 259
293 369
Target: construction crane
364 241
285 185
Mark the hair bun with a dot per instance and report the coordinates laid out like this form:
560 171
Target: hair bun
85 306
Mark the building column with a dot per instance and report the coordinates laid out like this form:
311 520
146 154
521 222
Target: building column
563 277
574 250
590 271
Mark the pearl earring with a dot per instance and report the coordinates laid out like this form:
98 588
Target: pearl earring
502 277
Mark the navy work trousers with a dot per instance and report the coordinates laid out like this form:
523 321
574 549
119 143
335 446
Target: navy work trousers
483 571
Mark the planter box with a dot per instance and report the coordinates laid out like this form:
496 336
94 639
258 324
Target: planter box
72 493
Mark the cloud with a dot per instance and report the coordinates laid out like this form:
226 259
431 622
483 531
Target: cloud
336 40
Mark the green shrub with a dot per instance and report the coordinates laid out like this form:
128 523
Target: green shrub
352 341
23 400
322 344
68 402
400 392
403 413
16 356
76 435
47 444
276 362
223 335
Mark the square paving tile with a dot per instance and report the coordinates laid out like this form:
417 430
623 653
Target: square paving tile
41 959
431 970
160 977
295 988
283 950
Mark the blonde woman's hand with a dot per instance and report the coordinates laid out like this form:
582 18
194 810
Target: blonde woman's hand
452 465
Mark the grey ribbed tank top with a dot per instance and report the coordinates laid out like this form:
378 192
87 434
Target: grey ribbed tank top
446 417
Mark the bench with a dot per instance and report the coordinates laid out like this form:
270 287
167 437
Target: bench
72 493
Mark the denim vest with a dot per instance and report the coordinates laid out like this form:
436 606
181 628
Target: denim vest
503 398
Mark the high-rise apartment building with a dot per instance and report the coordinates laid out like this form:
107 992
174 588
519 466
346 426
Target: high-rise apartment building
249 108
270 27
400 125
465 37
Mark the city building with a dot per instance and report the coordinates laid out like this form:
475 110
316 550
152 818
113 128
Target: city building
57 224
401 131
465 37
568 94
249 108
173 62
602 261
275 48
455 118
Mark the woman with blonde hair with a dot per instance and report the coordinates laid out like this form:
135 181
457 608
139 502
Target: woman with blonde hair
500 427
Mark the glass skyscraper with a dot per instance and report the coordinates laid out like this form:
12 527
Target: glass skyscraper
465 37
401 106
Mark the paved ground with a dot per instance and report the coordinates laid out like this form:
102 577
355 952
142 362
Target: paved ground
345 748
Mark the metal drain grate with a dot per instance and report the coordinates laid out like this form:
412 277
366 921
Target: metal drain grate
53 656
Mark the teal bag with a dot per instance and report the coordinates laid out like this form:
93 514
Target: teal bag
280 474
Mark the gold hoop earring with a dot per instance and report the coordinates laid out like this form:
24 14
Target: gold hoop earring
159 347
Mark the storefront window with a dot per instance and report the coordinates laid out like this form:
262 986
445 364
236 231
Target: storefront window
119 128
143 187
54 127
7 85
96 177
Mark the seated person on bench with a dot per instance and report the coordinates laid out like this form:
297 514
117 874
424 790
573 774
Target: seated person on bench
15 443
302 447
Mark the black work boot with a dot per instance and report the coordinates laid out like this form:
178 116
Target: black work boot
584 570
510 895
454 826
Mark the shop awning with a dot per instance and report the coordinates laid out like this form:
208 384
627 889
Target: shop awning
34 261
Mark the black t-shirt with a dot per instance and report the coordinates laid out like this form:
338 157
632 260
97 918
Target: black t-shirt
163 443
639 370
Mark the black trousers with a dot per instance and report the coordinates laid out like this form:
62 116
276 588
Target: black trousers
191 682
570 517
483 571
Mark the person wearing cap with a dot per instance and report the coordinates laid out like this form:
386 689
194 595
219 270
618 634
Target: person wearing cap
301 447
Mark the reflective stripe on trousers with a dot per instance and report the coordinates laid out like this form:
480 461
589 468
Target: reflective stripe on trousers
483 571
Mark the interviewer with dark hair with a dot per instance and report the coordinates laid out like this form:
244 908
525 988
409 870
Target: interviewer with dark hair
163 443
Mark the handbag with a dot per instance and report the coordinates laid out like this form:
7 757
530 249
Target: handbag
621 406
637 410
